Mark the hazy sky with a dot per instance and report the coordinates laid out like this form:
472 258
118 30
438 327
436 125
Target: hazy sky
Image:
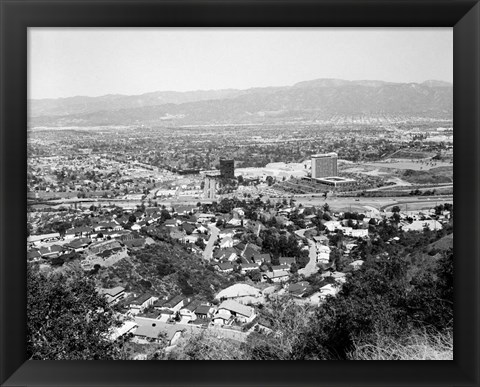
66 62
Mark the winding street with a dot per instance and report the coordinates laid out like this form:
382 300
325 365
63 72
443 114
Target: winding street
311 267
208 252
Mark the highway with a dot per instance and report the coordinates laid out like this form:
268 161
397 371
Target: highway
335 203
379 203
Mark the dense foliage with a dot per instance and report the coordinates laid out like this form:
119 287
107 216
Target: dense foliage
66 319
394 294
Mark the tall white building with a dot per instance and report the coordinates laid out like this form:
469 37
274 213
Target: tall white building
324 165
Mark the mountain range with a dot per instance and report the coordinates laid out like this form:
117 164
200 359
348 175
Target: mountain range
318 99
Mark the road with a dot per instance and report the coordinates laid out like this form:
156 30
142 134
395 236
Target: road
361 203
413 204
311 267
208 252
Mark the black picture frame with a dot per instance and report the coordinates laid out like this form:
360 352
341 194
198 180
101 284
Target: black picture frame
18 15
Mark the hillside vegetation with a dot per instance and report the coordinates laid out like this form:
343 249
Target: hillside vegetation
166 269
399 305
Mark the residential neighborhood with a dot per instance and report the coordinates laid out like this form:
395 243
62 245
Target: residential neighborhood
240 194
273 250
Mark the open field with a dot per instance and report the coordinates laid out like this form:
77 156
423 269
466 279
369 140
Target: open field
365 171
404 173
420 165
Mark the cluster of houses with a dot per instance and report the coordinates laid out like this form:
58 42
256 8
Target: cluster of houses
105 176
108 240
188 224
96 250
152 319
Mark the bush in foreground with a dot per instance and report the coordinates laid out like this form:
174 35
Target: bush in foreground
418 346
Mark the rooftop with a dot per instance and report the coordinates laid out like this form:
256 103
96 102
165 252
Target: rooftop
141 299
113 291
330 154
238 290
236 307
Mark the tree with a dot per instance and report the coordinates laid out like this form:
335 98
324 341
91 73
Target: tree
302 260
165 215
431 300
370 303
66 319
396 217
293 268
395 209
200 243
254 275
132 218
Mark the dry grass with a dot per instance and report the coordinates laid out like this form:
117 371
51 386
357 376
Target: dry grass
206 346
418 346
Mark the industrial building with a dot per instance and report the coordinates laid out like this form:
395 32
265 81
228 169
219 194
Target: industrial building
227 168
212 183
336 182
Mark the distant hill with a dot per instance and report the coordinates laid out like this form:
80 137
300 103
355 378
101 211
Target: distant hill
85 105
311 100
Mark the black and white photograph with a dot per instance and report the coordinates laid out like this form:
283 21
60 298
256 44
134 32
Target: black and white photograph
240 193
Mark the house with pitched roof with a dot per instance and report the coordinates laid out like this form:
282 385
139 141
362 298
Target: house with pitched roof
176 303
286 261
204 311
276 275
37 240
142 302
154 331
188 227
242 293
224 267
239 312
79 244
226 242
136 243
33 254
113 295
298 289
229 254
262 258
250 251
152 210
246 267
77 232
171 223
